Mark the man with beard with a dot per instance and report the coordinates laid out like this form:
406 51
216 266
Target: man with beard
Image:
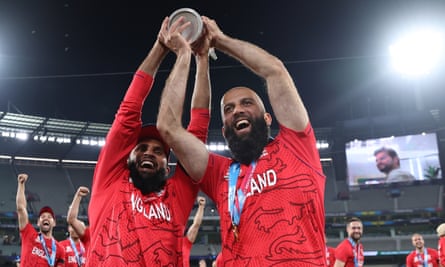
38 248
421 256
74 249
441 244
388 162
349 253
138 216
270 195
78 241
192 231
71 218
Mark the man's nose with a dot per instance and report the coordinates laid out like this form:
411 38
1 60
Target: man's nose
238 109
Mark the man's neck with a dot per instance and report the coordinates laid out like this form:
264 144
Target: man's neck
75 239
420 250
47 234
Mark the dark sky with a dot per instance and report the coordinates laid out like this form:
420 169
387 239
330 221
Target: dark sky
74 59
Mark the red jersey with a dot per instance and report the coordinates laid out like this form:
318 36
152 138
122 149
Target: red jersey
186 248
86 238
282 221
349 253
415 259
128 228
74 253
441 250
330 256
34 253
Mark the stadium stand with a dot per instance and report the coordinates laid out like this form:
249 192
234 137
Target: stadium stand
390 215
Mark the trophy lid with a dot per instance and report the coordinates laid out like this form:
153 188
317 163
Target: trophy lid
193 32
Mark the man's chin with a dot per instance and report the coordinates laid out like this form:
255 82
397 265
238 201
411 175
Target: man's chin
146 173
45 229
242 133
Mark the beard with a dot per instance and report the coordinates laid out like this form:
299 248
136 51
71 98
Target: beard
385 168
249 147
356 237
45 230
147 183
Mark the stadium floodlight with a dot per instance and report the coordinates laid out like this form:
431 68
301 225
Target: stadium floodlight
417 53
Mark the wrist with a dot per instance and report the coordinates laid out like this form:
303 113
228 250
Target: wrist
219 39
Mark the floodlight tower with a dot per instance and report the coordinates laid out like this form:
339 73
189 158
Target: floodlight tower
415 55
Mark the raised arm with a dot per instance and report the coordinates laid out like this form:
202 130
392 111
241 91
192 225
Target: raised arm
73 211
283 96
202 90
193 230
190 151
22 213
154 58
339 263
125 128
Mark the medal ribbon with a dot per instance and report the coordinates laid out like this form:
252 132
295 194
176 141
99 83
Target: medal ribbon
238 197
423 261
51 259
78 255
355 250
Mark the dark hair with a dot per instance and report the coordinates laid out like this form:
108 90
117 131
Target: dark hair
353 219
391 152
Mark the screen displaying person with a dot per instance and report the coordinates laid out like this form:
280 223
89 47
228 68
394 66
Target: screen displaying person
388 161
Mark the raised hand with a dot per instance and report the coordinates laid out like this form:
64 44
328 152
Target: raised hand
83 191
201 201
22 178
213 32
171 36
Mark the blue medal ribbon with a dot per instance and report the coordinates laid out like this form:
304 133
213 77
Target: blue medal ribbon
238 197
51 259
355 248
78 255
424 261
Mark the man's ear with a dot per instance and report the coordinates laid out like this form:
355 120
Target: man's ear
268 119
222 130
130 158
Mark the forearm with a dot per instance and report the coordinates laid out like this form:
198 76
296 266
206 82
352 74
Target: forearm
201 92
73 210
193 230
287 104
253 57
20 197
151 63
22 213
339 263
189 150
172 101
199 215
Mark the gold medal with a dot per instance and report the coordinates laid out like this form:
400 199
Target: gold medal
235 231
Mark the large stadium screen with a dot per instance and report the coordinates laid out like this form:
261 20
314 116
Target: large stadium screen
369 162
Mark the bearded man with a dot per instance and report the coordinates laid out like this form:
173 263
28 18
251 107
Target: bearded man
138 216
270 194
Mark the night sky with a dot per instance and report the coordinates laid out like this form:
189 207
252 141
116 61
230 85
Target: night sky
74 59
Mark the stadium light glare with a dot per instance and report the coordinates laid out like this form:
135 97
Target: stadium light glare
36 159
417 53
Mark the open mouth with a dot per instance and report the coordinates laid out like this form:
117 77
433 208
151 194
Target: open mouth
242 124
146 164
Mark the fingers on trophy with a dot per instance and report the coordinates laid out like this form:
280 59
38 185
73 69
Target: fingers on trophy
196 28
